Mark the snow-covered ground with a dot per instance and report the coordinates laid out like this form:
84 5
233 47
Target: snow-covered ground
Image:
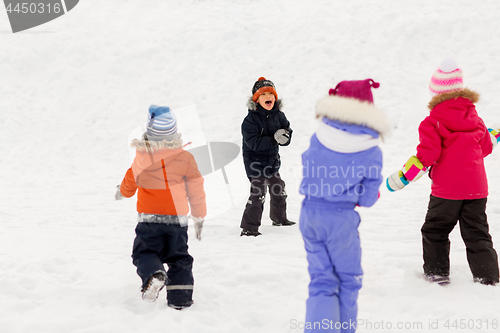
72 91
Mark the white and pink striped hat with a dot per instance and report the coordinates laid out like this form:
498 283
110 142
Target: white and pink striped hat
447 78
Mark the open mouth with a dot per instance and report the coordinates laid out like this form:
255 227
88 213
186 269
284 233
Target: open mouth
269 103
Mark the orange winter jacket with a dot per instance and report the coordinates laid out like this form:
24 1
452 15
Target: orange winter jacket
167 177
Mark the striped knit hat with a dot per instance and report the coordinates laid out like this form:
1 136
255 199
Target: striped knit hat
261 86
447 78
161 121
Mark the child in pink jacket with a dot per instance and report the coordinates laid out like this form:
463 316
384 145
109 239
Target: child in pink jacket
453 143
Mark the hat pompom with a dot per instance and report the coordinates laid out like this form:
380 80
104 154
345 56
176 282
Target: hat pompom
374 84
261 78
448 65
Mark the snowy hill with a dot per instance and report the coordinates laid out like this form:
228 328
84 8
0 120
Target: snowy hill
72 91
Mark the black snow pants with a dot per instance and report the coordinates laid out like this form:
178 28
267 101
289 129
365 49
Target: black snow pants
157 244
255 205
442 216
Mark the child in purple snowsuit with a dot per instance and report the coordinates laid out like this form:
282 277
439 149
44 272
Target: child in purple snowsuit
341 170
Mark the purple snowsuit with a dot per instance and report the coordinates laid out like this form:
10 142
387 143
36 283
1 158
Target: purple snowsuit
333 184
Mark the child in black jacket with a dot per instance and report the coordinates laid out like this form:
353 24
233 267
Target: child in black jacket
264 129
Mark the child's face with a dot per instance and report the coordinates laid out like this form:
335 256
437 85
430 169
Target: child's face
266 100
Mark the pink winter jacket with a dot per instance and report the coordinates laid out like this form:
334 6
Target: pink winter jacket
454 141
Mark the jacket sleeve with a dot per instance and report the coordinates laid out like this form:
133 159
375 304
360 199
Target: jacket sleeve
128 186
429 148
195 190
286 125
485 142
371 182
253 137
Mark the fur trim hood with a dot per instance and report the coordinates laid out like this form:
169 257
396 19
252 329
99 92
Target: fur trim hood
151 146
353 111
465 93
252 106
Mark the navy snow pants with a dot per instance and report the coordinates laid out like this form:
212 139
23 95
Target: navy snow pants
157 244
330 233
252 215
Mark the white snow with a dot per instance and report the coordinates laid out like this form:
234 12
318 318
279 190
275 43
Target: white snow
74 89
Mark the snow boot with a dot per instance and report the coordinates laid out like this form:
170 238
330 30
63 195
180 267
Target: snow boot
442 280
284 223
254 233
181 306
485 281
155 285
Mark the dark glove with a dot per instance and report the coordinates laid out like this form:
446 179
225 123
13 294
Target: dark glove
282 136
118 195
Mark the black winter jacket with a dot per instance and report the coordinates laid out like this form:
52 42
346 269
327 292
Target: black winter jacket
260 150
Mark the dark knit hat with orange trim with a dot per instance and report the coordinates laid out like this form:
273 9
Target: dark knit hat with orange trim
261 86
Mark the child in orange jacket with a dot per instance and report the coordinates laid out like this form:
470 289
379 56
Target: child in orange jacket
168 184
